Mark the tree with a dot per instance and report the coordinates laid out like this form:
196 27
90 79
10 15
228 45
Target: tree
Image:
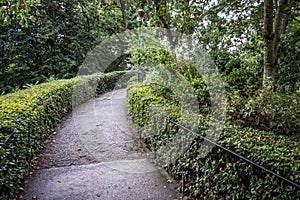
51 38
274 27
42 40
16 10
168 14
52 46
124 16
230 25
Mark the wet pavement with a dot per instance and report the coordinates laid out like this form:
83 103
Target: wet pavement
93 155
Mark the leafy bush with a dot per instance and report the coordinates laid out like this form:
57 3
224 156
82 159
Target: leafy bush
267 111
217 174
288 74
243 80
151 56
221 175
160 60
206 172
145 105
27 117
241 71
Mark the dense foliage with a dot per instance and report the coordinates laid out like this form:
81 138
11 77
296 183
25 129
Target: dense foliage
251 42
55 41
267 111
217 174
27 117
52 46
261 125
42 40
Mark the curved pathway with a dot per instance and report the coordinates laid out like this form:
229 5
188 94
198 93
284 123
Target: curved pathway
92 155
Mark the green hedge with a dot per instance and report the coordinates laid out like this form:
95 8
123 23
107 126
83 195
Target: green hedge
218 175
28 116
261 125
268 111
143 102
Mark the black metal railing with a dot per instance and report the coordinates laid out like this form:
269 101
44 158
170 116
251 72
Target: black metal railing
253 165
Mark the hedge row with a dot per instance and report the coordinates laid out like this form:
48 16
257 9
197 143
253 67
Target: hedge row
217 174
28 116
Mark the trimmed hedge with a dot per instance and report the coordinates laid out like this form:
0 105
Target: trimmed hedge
28 116
142 103
218 175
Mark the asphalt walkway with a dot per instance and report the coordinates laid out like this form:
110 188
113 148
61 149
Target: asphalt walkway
92 155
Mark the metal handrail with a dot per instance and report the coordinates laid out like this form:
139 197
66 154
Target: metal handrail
252 163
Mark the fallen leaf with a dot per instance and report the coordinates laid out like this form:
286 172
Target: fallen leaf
22 4
169 181
269 140
34 197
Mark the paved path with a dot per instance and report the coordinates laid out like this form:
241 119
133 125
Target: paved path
93 156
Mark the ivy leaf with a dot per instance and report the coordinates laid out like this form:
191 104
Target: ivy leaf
33 19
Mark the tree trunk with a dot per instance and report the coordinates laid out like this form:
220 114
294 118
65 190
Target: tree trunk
269 45
123 9
273 29
280 24
164 21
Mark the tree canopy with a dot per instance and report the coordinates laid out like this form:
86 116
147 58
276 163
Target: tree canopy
46 39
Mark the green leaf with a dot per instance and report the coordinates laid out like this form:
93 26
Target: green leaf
33 19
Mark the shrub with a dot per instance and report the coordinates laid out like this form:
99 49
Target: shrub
27 117
267 111
206 172
151 56
216 174
243 80
222 175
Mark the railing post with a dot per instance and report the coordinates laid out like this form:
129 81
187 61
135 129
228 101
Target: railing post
155 132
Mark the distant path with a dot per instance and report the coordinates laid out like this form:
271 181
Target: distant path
93 156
